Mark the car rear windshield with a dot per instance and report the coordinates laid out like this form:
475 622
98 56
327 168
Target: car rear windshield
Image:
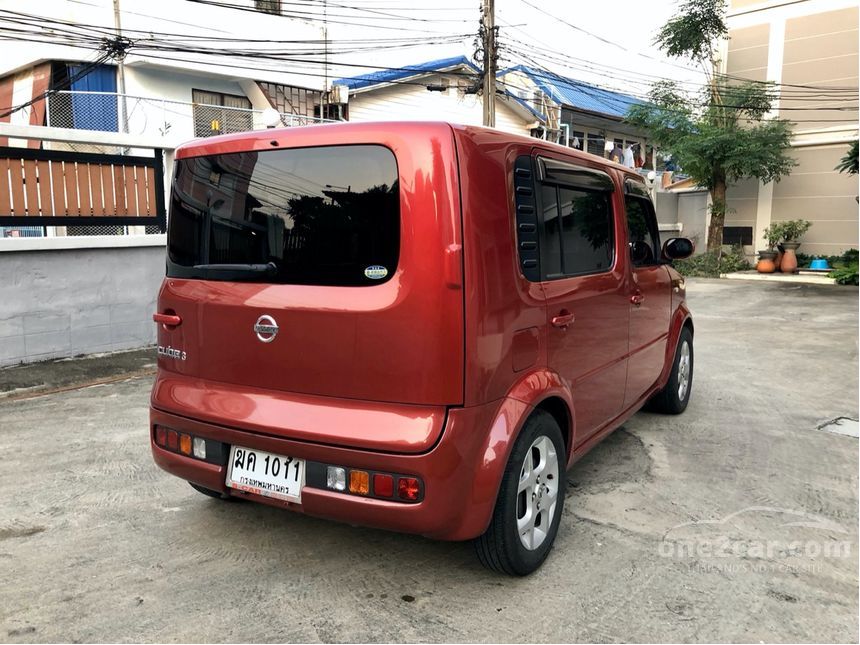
317 216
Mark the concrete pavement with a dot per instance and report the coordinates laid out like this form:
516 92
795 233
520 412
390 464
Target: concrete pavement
737 521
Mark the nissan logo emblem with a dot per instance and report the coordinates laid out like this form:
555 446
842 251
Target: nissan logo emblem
266 329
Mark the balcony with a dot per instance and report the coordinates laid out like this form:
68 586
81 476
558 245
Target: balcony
156 118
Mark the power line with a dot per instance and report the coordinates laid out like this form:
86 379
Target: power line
813 101
304 15
648 79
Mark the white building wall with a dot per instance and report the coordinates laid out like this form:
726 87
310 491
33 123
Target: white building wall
404 102
165 86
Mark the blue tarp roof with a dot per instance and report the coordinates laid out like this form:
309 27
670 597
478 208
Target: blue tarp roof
577 94
392 75
567 91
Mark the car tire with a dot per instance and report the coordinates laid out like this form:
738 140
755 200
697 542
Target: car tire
211 493
530 502
673 398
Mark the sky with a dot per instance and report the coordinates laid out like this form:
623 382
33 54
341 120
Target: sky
608 43
629 60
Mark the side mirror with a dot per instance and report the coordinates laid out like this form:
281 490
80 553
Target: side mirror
678 248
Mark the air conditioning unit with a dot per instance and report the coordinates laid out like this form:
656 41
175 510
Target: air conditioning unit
339 94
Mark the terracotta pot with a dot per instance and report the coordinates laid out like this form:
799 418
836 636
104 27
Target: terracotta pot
765 262
789 257
779 253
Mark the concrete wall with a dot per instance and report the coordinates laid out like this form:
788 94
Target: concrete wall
666 206
827 199
59 303
687 209
146 117
693 216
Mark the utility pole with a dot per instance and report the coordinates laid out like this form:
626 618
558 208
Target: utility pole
326 96
489 32
123 108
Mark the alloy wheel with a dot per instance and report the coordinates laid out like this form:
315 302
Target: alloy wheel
537 493
684 371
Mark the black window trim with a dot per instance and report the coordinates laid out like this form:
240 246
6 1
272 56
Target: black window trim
655 233
559 173
553 171
636 188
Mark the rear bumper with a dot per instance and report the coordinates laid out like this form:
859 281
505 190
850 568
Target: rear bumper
359 424
457 501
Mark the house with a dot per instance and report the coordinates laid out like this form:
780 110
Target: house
529 101
178 78
176 82
809 48
580 114
444 89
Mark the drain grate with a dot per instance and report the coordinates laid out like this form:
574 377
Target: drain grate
841 425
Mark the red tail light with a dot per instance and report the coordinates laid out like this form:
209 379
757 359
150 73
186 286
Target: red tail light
408 488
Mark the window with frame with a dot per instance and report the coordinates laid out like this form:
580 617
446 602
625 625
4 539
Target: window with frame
217 113
576 227
642 231
596 144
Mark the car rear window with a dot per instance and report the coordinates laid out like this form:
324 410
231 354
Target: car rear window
316 216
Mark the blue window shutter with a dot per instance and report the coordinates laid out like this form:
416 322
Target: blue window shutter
94 112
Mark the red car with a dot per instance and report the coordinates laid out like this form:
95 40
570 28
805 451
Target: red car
412 326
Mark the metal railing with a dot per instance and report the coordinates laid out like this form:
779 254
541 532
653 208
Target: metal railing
142 115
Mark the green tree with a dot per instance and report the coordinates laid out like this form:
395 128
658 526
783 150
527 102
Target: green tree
848 164
723 133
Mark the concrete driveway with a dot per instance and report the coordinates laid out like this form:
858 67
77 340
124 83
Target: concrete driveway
736 521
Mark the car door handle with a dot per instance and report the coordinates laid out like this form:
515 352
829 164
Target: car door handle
637 299
171 320
563 319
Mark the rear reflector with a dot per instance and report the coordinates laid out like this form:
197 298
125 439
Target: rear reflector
161 436
383 485
359 482
408 488
173 439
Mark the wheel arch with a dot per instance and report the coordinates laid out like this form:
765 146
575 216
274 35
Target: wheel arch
681 319
540 390
556 407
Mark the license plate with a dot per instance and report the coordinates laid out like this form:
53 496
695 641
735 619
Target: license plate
266 474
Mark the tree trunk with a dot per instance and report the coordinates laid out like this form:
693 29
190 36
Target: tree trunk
718 216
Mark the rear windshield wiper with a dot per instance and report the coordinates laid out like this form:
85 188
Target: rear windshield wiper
269 268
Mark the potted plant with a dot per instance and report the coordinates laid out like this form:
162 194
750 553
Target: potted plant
772 235
792 231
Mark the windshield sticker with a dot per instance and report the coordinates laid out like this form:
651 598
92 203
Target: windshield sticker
375 272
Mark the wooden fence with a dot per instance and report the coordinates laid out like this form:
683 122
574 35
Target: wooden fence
59 188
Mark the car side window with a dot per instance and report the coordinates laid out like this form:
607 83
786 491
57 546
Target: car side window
642 231
576 231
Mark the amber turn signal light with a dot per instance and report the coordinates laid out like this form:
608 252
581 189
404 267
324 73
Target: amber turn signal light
359 482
